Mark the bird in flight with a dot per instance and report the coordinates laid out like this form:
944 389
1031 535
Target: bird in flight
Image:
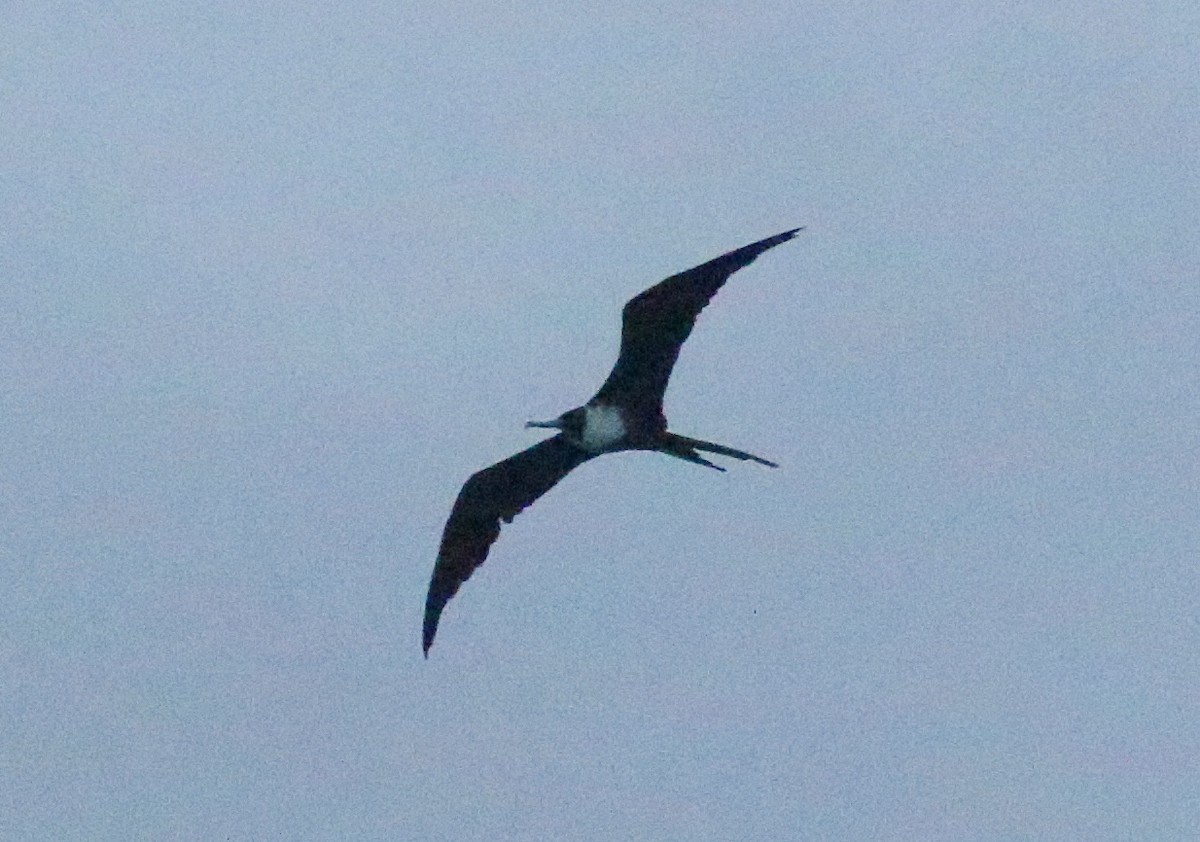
626 414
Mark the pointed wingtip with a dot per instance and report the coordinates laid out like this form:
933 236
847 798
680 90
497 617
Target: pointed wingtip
427 634
771 242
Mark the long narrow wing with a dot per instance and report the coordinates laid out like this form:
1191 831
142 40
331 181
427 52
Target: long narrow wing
495 494
655 324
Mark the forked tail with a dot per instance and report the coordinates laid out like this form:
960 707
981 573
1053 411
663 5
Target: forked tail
685 448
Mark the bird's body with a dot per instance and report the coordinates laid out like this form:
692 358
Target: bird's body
625 414
603 427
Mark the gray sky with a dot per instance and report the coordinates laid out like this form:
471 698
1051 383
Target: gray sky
278 279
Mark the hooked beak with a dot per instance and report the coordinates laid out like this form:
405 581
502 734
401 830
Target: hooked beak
556 424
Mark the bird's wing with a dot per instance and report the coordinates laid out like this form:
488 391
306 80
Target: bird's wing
495 494
655 324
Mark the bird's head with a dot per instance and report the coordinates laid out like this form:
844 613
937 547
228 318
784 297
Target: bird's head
570 422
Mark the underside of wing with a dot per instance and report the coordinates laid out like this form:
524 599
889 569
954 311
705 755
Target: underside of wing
495 494
656 323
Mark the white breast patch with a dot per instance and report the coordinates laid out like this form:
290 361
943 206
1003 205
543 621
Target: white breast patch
602 426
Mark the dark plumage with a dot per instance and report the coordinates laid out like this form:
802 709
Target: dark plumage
625 414
656 323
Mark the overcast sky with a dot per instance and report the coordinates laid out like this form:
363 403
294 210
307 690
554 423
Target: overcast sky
276 278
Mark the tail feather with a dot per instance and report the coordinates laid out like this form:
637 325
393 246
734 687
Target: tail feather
685 448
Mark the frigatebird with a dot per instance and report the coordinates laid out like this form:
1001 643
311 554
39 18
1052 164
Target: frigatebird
626 414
